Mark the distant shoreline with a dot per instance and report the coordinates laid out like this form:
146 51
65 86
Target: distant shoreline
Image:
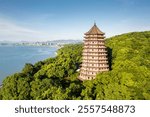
57 45
32 45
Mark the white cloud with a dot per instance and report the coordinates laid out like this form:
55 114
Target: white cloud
12 31
127 2
125 26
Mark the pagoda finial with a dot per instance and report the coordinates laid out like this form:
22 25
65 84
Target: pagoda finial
94 23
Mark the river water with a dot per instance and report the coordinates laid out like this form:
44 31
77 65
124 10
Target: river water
13 58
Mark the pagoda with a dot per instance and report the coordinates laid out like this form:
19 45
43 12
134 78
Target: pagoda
94 57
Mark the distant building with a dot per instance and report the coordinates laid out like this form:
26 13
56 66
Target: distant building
94 57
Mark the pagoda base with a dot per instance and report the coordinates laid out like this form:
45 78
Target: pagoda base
85 78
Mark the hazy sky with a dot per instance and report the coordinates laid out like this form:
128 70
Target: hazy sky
40 20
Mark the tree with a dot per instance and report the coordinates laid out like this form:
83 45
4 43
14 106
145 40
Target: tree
16 87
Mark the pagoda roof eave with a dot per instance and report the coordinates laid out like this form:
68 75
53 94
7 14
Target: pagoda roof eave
94 31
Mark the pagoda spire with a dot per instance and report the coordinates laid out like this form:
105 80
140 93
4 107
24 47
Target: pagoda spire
94 23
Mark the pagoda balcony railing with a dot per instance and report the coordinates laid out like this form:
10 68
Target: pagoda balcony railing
88 71
96 58
93 47
96 66
97 39
97 53
102 51
91 54
83 77
85 72
92 64
95 70
94 36
92 69
94 44
92 61
90 50
92 40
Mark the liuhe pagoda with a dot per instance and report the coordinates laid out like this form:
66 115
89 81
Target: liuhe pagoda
94 57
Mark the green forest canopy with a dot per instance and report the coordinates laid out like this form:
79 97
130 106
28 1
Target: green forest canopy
56 78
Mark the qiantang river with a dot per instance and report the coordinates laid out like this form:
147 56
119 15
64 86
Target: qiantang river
13 58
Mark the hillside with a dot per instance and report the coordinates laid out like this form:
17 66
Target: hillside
56 78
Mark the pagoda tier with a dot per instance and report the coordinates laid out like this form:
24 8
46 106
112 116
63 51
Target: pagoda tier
94 56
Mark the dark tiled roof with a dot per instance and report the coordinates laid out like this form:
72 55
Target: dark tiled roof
94 31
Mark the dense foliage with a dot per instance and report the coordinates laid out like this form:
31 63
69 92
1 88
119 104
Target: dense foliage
56 78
